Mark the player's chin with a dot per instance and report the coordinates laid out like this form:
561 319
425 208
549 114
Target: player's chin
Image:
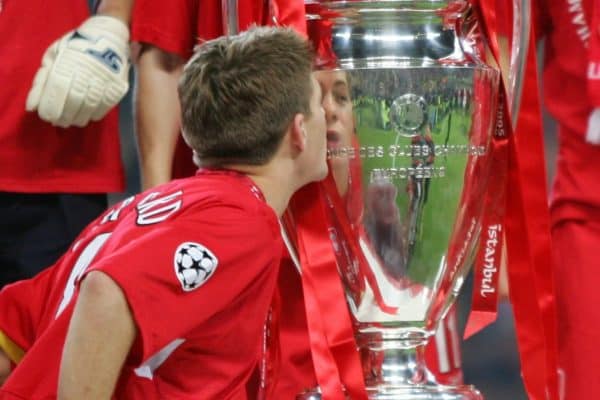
322 173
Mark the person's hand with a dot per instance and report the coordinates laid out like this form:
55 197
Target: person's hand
593 130
83 74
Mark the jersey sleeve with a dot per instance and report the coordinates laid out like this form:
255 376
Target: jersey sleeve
22 306
178 276
170 26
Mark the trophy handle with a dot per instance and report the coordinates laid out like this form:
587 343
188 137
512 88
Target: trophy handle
512 30
518 55
229 13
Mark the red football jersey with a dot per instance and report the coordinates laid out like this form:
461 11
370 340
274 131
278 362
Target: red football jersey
178 26
36 157
567 27
197 260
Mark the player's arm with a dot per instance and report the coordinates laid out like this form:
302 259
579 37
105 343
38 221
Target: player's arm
157 112
10 355
99 338
4 367
21 306
85 73
116 8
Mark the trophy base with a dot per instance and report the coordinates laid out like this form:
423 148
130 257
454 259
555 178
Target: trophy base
410 392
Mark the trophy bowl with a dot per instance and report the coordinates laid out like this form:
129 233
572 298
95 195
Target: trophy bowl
406 194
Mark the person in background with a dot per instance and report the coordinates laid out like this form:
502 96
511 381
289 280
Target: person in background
570 83
62 73
175 272
167 35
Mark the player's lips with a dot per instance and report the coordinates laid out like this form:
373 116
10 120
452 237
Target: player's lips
333 138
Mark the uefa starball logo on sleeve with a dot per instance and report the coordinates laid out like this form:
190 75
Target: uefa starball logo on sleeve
194 265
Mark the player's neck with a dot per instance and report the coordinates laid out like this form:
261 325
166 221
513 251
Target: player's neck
276 182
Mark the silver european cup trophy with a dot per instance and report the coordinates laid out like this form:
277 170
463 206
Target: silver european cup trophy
410 175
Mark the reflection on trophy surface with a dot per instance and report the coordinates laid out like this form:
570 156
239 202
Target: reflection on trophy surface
410 170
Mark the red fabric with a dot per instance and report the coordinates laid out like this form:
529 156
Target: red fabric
36 157
567 28
527 234
576 188
575 212
296 366
221 321
487 265
577 260
179 25
333 348
528 160
571 44
22 304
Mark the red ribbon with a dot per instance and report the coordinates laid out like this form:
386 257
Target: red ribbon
484 306
319 32
528 233
333 347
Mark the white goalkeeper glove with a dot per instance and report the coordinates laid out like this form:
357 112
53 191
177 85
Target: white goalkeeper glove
83 74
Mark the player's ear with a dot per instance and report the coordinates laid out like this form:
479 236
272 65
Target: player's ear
298 132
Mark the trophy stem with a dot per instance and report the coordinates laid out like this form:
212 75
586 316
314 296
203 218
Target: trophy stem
393 358
395 369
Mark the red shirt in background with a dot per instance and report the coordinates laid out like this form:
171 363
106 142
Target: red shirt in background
36 157
567 27
179 25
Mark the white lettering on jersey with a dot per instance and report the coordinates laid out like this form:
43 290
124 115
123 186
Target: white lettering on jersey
146 370
157 207
575 9
113 214
81 265
593 71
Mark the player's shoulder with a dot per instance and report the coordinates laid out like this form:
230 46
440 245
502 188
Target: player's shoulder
217 196
232 190
203 197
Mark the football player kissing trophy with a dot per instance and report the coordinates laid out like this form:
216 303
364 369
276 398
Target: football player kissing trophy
405 200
